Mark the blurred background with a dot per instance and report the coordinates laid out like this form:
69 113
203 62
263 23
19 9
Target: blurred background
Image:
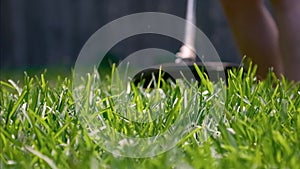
39 34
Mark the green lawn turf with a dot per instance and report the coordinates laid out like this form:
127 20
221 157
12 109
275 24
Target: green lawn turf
259 126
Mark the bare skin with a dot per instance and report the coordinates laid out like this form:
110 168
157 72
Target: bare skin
287 16
268 42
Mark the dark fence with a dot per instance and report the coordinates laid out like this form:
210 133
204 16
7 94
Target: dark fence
52 32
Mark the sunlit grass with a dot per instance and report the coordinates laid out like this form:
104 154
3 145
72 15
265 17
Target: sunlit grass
258 128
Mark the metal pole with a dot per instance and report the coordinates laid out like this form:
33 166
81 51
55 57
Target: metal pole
187 50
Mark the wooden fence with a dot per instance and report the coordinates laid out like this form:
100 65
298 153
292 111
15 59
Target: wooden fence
52 32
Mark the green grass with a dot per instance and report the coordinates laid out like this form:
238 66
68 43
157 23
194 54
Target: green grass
258 126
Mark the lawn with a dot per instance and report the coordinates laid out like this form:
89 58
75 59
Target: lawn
247 123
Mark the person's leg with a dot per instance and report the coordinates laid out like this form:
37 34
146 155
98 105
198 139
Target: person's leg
287 16
255 33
